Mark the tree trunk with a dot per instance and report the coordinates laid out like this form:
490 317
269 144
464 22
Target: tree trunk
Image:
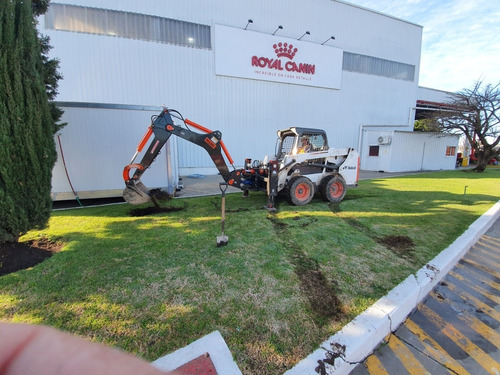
481 165
483 157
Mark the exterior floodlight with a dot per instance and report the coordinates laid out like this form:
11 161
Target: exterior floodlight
330 38
249 22
306 33
279 28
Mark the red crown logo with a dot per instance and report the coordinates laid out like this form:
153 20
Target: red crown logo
285 50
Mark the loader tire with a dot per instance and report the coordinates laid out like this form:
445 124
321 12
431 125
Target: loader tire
300 191
333 189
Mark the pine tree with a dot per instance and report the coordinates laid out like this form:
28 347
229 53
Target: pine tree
27 149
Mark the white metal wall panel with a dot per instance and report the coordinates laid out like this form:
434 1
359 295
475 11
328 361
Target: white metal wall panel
109 69
355 28
434 157
423 151
380 162
432 95
408 151
97 144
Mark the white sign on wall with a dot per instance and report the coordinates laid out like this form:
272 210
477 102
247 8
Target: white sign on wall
248 54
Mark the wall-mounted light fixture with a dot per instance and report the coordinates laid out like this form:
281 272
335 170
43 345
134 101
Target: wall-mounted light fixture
279 28
330 38
306 33
249 22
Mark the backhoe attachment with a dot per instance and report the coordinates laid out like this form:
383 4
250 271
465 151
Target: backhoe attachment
136 193
162 128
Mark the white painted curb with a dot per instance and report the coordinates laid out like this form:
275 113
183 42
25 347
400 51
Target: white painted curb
363 334
213 344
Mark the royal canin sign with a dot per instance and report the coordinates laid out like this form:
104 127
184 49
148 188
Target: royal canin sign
247 54
286 51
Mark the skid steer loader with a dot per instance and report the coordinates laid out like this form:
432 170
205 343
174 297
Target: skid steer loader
303 163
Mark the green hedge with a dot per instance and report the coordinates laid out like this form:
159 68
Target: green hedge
27 149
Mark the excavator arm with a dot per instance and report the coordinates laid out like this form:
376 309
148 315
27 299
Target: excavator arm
163 127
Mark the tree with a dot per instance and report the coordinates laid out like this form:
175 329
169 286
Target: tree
425 125
475 114
27 125
51 66
39 7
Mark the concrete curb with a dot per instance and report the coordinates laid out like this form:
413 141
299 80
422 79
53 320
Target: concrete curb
343 351
213 344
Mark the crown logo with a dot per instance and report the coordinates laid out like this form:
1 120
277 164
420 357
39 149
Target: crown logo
285 50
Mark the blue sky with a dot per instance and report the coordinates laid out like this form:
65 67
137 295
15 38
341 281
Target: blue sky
460 41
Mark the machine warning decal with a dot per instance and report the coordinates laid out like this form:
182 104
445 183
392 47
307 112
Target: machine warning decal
210 142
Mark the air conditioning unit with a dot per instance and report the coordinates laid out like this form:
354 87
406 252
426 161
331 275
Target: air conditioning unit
384 140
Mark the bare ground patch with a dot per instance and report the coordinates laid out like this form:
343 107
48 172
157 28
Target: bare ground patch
15 256
400 245
320 293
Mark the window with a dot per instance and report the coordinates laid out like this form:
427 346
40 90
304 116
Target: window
317 141
357 63
450 150
127 25
374 150
287 145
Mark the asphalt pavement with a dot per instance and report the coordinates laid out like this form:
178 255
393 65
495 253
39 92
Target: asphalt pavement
456 329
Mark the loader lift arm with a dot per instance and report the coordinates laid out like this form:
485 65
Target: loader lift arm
163 127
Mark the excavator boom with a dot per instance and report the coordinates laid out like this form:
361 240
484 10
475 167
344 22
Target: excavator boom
162 128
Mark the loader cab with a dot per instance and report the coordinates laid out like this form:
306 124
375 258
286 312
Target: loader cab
294 140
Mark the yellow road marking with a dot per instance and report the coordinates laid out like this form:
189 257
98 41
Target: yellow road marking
374 366
477 265
477 288
485 256
483 359
493 247
434 349
478 279
490 239
467 297
483 329
411 364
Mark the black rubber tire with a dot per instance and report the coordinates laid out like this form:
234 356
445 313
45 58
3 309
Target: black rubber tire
333 189
300 191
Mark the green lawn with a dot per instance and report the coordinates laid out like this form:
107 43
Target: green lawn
284 283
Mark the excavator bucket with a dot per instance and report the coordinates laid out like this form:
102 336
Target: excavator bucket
136 193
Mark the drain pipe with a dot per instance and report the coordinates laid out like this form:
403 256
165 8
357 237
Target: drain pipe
66 170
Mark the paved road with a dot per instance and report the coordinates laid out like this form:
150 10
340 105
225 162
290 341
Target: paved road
456 329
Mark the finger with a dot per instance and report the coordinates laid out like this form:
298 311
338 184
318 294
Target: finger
30 349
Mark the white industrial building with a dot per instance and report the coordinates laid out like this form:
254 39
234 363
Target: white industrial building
246 68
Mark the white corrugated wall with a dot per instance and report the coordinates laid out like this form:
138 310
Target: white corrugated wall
434 96
408 151
94 148
109 69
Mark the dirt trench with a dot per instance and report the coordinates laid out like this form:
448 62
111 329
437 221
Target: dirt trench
318 290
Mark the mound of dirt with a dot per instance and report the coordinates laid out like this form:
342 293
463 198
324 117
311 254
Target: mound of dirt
401 245
15 256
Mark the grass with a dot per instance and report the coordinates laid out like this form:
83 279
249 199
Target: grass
284 283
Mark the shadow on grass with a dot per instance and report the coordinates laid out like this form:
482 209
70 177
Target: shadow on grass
153 284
